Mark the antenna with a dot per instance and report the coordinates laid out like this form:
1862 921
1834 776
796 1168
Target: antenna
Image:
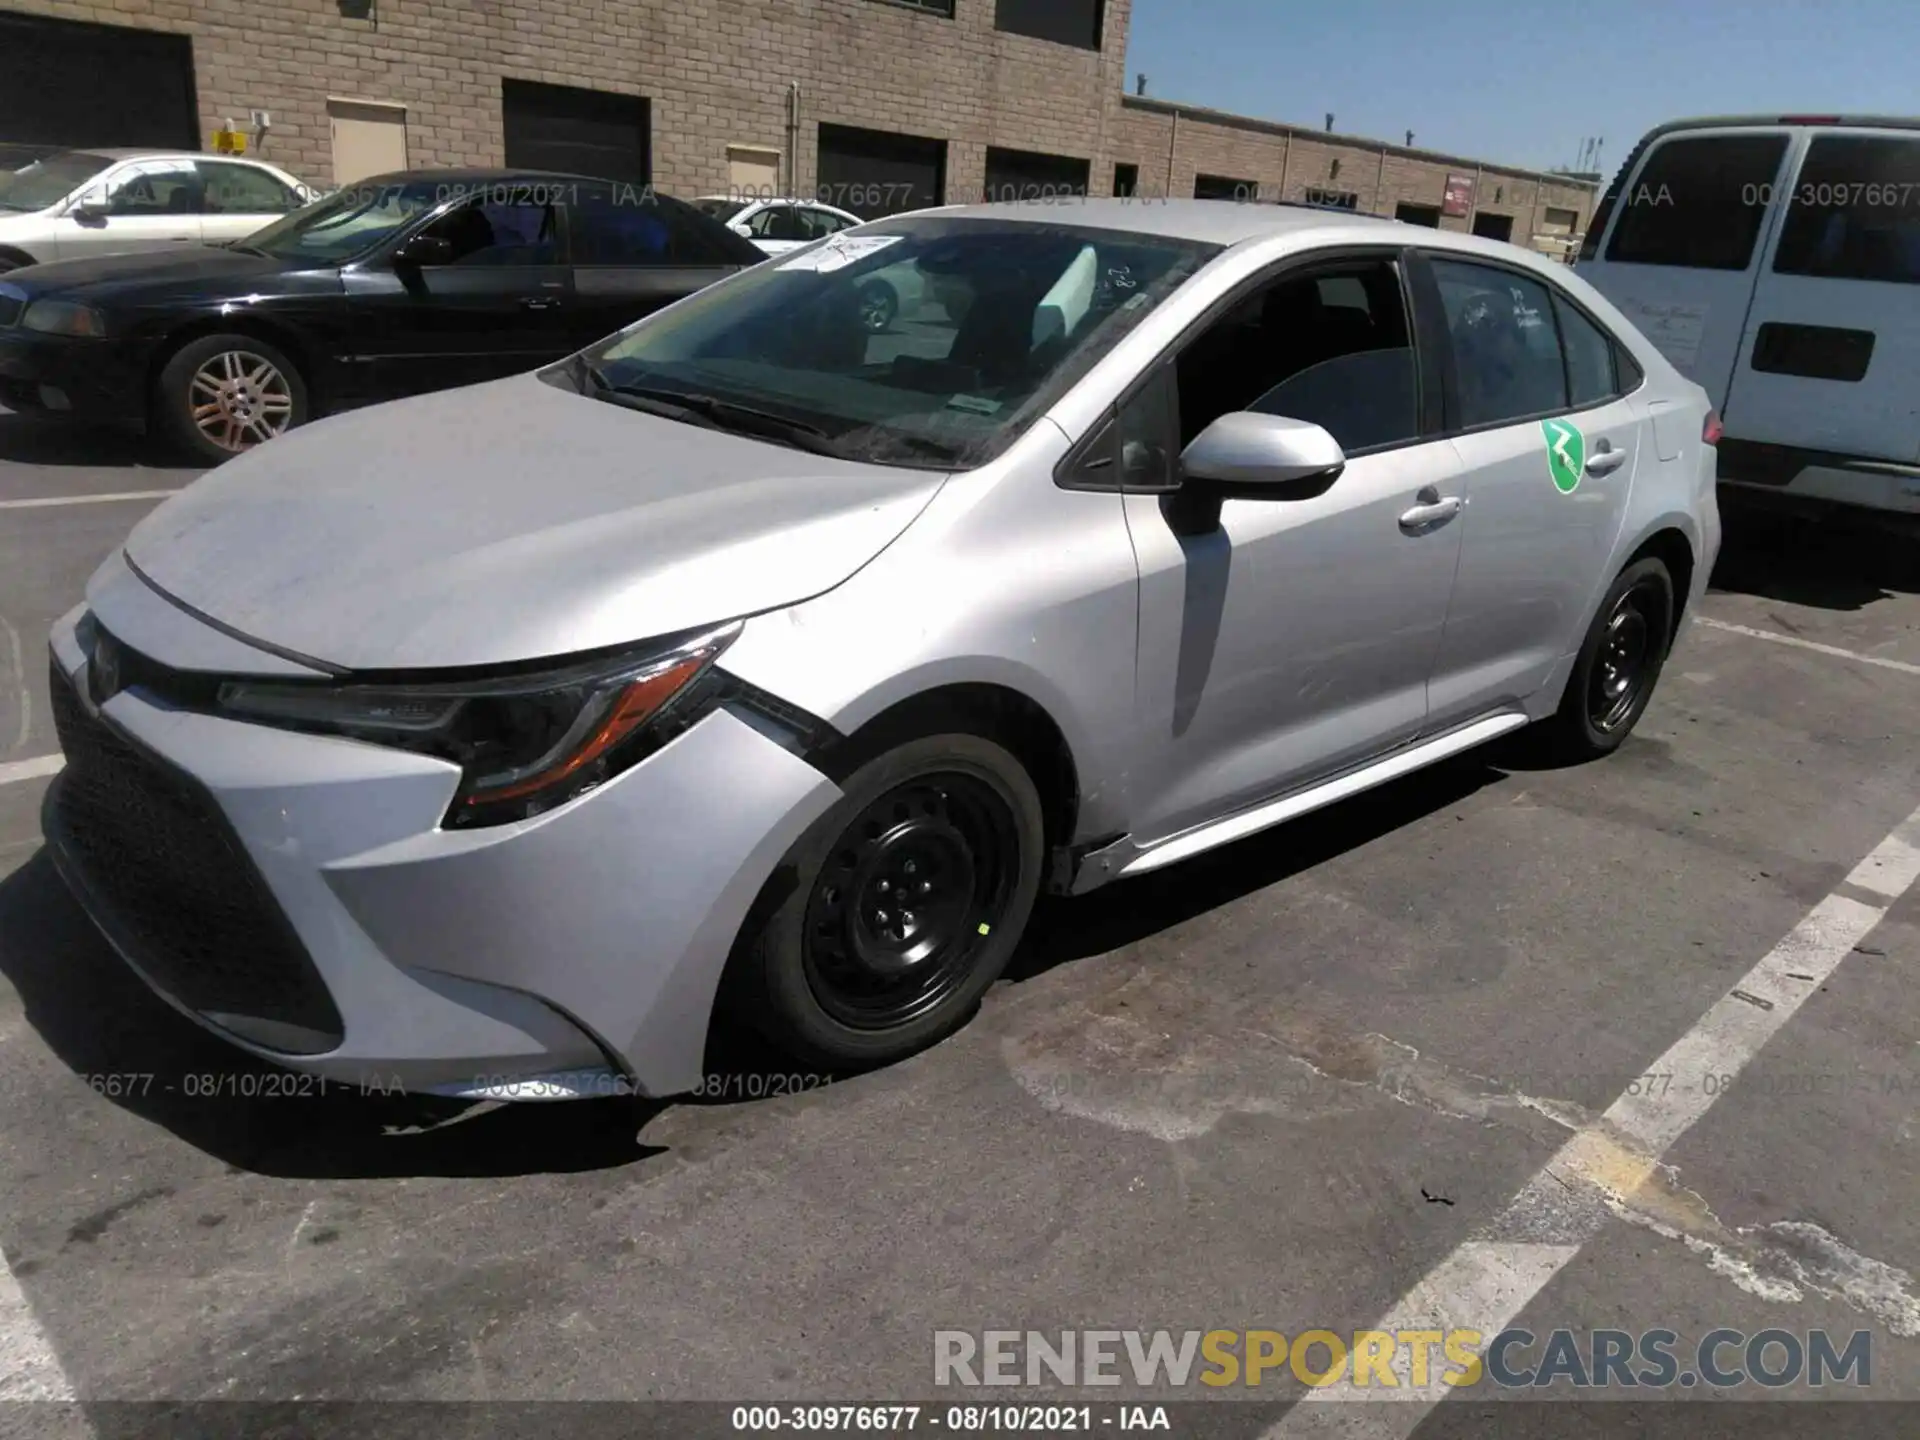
1409 139
1329 122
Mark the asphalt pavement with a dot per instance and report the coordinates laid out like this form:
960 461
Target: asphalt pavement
1339 1072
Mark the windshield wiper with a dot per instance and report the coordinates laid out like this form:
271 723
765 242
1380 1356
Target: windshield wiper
719 414
238 248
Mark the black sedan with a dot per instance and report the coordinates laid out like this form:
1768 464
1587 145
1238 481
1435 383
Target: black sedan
393 286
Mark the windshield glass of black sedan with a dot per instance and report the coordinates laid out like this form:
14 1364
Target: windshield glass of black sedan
49 180
911 341
347 223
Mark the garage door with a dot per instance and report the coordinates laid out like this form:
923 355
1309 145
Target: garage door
67 83
581 132
1028 175
875 172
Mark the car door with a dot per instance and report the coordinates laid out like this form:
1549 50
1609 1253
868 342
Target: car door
1285 639
634 252
1830 353
492 299
240 199
135 206
1548 444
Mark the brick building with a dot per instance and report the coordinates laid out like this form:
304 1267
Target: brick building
874 104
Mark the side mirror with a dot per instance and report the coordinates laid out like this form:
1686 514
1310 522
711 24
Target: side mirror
742 229
424 250
1262 456
90 212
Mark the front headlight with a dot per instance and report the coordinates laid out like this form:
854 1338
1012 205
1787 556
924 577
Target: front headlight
63 317
524 743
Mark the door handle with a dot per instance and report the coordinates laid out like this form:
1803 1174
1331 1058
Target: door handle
1605 460
539 302
1434 509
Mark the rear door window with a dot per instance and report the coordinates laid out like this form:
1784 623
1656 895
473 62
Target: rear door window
1590 372
1698 202
628 225
1854 211
1506 347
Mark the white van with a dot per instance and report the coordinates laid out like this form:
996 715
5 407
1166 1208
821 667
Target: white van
1776 261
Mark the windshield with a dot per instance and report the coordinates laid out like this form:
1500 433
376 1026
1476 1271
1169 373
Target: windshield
912 341
347 223
721 210
49 180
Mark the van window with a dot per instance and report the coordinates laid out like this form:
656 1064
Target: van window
1698 202
1855 212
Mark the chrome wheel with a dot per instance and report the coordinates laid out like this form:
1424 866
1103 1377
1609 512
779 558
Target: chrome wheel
238 399
1628 655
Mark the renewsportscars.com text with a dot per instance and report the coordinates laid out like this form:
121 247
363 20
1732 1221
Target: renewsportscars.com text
1416 1359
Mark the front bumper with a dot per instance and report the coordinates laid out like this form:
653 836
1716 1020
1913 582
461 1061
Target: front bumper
103 381
313 912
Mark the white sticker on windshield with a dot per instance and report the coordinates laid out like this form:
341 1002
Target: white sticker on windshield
840 252
976 403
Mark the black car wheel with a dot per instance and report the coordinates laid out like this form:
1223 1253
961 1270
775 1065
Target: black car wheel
221 395
898 908
1619 663
879 306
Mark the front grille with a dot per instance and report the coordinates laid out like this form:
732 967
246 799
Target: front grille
159 856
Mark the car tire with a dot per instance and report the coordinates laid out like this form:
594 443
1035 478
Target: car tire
228 388
879 306
1618 665
837 975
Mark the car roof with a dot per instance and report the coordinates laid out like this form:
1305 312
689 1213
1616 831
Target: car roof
130 152
475 174
1216 222
766 200
1813 119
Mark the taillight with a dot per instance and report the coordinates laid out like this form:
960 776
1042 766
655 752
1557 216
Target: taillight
1712 430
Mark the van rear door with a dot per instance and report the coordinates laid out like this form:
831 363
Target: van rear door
1830 355
1689 224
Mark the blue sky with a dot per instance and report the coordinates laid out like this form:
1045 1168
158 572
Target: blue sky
1523 83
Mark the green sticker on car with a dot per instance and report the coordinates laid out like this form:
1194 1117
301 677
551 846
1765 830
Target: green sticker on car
1566 454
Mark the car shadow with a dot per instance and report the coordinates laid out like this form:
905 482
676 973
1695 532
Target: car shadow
117 1036
1129 911
39 440
1839 562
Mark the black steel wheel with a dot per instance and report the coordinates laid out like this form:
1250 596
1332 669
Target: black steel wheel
1629 652
898 908
1619 663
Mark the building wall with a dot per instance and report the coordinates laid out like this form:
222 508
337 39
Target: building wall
717 73
1172 144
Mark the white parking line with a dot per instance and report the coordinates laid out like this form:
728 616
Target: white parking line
1794 640
42 502
32 769
1487 1281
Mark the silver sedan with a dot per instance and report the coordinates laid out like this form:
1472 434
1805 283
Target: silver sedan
493 743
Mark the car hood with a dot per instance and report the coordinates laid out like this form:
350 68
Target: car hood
144 273
511 521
